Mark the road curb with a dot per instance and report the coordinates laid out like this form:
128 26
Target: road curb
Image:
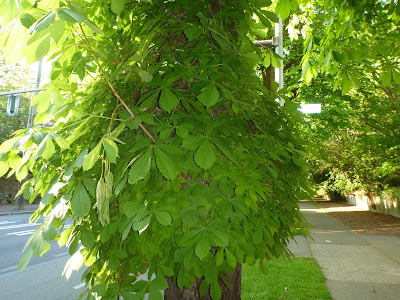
17 212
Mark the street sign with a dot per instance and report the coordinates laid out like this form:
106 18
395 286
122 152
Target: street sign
310 108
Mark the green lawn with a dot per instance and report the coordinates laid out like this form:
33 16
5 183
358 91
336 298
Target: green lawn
297 278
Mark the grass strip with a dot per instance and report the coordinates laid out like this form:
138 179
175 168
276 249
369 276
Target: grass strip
295 278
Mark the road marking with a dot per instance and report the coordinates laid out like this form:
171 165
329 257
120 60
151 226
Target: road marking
7 222
21 233
9 269
61 254
18 226
79 286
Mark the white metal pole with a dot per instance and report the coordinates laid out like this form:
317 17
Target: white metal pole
279 51
32 111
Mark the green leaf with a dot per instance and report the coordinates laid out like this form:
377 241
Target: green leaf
193 32
111 149
43 22
22 173
192 142
215 290
275 60
182 132
36 52
227 152
204 156
71 16
165 164
65 236
27 20
209 95
41 148
87 238
3 168
145 76
386 77
283 9
80 158
158 284
270 15
50 233
80 202
346 83
220 238
140 168
219 257
230 258
163 217
168 100
267 60
396 75
274 174
155 295
203 288
93 26
191 237
126 230
50 149
117 6
202 247
92 157
38 244
25 259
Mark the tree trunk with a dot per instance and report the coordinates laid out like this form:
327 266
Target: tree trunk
234 279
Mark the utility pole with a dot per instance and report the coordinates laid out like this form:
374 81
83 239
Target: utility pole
20 201
32 111
277 43
279 51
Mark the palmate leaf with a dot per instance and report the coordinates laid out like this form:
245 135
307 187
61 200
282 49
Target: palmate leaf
205 156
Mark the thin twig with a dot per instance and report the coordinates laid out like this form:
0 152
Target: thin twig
113 91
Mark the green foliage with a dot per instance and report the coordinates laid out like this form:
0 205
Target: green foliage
14 77
356 53
166 150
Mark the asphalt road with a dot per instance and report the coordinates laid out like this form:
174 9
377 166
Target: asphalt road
42 279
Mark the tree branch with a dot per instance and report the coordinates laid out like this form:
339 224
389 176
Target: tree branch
113 91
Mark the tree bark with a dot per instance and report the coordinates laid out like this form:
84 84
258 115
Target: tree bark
234 279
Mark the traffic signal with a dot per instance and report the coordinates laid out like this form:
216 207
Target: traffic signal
13 105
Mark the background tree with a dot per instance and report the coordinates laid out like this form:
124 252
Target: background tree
166 150
350 66
14 77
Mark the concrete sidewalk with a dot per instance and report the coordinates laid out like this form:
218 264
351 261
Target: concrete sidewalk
355 266
12 210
